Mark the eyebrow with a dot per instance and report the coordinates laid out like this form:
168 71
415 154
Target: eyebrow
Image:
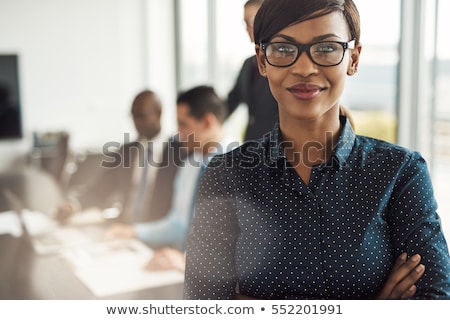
315 39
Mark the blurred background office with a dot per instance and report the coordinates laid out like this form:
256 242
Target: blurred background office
80 63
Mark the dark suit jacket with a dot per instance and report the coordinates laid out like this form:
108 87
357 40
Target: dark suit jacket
113 183
253 90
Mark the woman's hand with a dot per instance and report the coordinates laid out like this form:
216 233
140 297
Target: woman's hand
65 211
400 283
119 231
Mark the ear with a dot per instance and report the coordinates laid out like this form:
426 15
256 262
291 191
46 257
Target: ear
261 60
354 60
209 120
159 113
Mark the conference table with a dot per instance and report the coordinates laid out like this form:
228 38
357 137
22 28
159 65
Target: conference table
26 275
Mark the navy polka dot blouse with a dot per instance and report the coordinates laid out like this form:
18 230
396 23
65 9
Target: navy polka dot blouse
260 230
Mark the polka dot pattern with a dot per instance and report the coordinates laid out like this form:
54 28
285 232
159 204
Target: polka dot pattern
259 227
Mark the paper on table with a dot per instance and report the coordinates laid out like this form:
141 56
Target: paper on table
48 237
10 224
88 216
37 222
116 267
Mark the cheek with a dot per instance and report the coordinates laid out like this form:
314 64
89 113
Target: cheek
149 124
337 77
182 132
154 120
275 80
187 133
139 124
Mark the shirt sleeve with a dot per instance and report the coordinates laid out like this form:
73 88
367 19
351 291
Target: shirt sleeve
173 228
210 258
416 228
167 231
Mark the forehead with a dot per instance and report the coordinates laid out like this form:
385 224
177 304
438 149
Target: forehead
333 24
144 104
250 10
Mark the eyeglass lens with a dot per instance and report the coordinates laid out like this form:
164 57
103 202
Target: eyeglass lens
322 53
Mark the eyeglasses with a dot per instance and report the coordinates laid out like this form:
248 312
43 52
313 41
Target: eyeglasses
324 53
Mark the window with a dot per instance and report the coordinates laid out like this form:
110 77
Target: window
371 94
193 44
440 112
212 46
213 42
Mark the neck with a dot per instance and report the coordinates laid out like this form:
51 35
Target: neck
214 138
150 136
310 142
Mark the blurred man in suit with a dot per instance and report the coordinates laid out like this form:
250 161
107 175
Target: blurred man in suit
200 116
129 174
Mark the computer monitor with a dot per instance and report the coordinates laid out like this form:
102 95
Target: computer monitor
10 108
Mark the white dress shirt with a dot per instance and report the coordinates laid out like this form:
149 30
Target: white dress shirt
172 229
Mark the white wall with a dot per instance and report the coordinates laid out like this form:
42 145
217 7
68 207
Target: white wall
82 62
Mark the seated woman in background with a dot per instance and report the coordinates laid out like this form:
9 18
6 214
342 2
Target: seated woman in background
312 210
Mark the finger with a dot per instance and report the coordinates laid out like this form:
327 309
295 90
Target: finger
402 288
156 263
400 270
108 236
63 213
400 261
150 265
409 293
111 233
397 275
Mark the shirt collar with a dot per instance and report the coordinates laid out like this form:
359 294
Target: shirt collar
345 144
340 154
225 145
274 144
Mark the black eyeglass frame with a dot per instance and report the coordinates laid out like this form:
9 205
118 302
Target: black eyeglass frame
307 48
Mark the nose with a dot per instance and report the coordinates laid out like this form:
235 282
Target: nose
304 66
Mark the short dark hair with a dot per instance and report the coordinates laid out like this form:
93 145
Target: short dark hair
202 100
275 15
147 94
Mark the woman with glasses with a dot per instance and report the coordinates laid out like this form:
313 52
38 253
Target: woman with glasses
314 211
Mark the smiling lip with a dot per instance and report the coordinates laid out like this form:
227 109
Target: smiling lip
305 91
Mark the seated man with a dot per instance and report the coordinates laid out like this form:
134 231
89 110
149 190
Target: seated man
200 114
127 176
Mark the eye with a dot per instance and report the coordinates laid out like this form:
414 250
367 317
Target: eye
325 47
281 49
285 49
